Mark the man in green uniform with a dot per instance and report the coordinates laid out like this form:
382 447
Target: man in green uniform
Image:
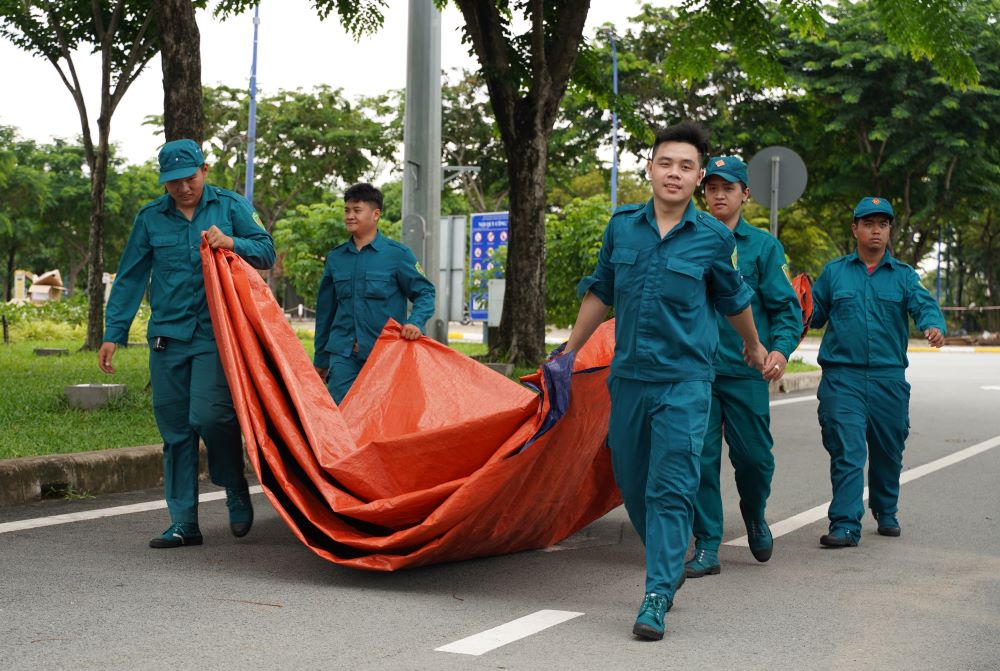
864 299
666 268
740 400
366 281
191 398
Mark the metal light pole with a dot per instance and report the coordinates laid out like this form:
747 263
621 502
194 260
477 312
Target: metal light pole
252 125
422 150
614 125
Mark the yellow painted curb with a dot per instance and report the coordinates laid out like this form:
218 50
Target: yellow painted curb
455 335
983 349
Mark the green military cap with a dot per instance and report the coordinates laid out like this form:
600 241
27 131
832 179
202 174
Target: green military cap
873 205
179 159
728 168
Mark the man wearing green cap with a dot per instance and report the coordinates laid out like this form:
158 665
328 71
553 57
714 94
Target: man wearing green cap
666 267
864 300
740 400
191 398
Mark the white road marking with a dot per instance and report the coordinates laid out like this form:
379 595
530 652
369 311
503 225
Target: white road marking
515 630
819 512
22 525
992 387
797 399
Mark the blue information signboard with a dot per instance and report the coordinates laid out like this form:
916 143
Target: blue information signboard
488 232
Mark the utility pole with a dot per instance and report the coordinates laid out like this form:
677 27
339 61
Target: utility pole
422 150
252 126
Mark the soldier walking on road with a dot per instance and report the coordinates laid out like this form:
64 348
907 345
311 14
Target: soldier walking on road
666 268
191 397
740 399
864 300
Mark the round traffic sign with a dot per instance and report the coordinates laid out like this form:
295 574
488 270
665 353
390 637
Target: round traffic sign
792 175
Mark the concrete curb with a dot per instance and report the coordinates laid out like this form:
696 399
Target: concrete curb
796 382
101 472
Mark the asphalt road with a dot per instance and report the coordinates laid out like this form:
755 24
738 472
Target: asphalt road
91 595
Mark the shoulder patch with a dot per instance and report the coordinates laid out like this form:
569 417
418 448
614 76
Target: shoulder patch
735 258
788 273
256 219
418 267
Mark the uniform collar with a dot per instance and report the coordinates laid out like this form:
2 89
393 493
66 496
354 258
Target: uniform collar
377 244
690 216
887 259
743 229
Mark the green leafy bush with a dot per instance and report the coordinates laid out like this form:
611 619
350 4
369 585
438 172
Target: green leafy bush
573 239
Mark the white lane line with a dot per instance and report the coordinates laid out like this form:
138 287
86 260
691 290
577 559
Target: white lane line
22 525
797 399
819 512
514 630
992 387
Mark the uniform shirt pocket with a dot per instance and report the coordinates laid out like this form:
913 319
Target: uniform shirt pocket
168 249
343 285
890 302
623 260
750 275
844 303
682 283
377 284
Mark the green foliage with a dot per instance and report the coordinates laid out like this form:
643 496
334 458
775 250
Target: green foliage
573 239
33 409
60 320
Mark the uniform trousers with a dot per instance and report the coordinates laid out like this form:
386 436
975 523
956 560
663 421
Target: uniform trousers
741 412
863 416
191 399
655 432
343 371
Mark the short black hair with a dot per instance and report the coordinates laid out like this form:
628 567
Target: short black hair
364 193
686 131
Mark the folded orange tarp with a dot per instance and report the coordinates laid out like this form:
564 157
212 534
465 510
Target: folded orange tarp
431 457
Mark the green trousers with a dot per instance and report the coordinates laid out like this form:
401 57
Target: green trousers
343 371
655 433
191 399
863 418
740 412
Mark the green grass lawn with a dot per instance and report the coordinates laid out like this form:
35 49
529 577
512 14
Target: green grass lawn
36 418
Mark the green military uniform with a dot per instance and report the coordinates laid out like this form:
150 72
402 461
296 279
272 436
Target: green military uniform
864 397
665 292
360 291
740 400
190 395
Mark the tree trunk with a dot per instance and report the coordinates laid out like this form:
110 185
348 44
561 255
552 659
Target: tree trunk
522 324
9 276
180 53
95 276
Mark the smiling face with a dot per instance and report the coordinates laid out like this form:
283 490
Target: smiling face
361 219
725 199
872 233
675 171
187 192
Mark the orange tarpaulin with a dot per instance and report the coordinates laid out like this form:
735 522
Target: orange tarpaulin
431 457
